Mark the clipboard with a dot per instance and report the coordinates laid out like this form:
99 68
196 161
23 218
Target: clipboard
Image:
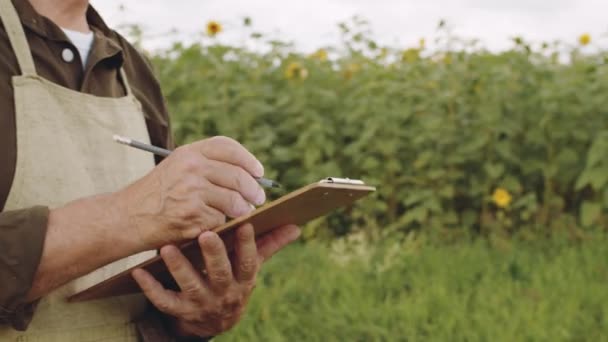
297 207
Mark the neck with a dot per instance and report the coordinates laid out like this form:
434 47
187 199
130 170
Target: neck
68 14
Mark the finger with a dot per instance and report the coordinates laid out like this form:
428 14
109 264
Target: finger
165 300
230 151
186 277
217 264
229 202
246 261
235 178
274 241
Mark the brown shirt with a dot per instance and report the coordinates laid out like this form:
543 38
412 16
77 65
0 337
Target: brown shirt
22 231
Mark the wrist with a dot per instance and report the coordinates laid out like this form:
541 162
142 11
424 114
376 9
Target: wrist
125 226
103 216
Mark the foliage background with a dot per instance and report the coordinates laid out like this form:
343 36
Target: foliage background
438 132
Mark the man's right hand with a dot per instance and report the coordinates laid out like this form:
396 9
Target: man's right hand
192 191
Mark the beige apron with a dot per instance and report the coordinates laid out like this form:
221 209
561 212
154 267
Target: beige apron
65 151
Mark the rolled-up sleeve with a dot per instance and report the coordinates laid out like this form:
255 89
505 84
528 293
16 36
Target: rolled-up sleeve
22 234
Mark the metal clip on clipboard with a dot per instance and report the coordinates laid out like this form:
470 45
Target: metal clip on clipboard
336 180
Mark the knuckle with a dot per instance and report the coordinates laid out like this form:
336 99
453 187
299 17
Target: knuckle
230 146
190 210
248 265
193 316
212 313
239 181
163 306
237 205
220 141
192 289
220 276
191 163
182 150
213 248
231 303
191 184
212 218
201 312
245 184
218 219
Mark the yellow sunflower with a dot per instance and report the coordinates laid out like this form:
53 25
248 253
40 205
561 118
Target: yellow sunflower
320 55
213 28
410 55
295 70
584 39
350 70
501 197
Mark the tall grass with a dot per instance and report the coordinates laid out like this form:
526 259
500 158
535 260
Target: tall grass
540 291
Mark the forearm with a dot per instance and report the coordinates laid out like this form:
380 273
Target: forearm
82 236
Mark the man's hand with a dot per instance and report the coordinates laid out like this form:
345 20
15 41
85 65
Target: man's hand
213 301
192 191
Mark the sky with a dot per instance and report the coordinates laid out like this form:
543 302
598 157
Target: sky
311 24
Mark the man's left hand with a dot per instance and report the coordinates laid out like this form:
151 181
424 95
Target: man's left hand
212 302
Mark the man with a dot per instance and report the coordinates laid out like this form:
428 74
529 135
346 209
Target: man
78 208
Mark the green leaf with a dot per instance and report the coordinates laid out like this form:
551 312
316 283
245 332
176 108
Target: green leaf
568 156
595 177
417 214
590 212
433 205
370 163
447 191
599 177
494 171
414 197
423 159
512 184
599 150
582 181
527 201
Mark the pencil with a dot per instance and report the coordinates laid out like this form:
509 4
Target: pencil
264 182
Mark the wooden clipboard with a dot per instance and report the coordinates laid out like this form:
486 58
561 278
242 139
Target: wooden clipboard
297 207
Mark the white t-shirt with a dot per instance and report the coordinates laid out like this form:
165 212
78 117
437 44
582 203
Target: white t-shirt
82 41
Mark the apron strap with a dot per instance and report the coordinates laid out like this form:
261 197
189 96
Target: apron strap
125 82
16 35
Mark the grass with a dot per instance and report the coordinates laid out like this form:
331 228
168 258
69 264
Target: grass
541 291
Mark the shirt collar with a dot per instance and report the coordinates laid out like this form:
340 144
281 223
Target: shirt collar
105 44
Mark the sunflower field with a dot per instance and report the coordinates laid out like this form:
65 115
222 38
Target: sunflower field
458 140
491 170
